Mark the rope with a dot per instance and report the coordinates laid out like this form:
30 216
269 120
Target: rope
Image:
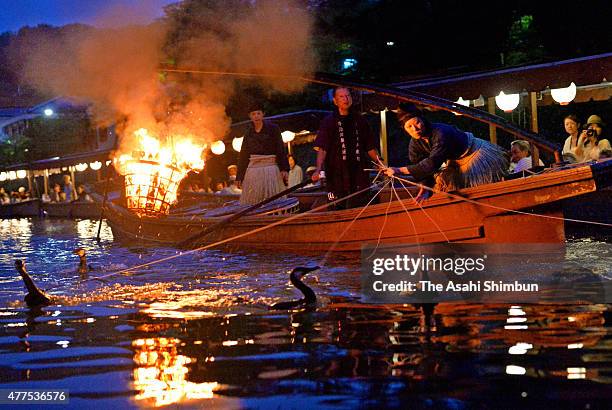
221 242
499 207
324 260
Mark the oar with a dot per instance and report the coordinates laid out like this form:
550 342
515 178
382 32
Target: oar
103 204
233 217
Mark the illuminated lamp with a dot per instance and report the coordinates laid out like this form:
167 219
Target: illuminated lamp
237 144
217 147
22 173
463 102
12 175
81 167
507 102
95 165
564 95
3 176
288 136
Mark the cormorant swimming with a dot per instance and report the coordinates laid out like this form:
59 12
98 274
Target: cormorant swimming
83 266
309 298
35 296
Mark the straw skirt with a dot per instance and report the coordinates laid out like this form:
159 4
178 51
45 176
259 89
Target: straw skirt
261 180
482 163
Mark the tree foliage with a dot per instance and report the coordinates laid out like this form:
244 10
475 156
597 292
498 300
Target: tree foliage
48 137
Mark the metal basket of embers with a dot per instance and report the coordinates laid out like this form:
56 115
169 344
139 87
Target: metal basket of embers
151 187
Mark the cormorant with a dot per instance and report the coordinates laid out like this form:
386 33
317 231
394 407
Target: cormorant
309 298
83 266
35 296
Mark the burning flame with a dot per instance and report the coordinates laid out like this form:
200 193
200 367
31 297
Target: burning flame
154 170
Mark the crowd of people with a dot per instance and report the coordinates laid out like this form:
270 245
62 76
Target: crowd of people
583 144
11 197
57 194
586 143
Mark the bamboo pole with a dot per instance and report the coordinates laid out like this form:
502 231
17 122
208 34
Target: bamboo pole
383 137
533 103
492 127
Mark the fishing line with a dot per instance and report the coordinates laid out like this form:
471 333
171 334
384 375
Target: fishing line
423 209
499 207
383 226
221 242
324 260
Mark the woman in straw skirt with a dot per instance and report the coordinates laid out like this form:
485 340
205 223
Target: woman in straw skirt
446 157
262 165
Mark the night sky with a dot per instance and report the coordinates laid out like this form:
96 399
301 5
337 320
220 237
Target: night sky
15 14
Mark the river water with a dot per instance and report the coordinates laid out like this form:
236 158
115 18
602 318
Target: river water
195 331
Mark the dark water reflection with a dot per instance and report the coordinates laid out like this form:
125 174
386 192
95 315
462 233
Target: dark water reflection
196 332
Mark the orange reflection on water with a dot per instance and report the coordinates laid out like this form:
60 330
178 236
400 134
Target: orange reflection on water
161 373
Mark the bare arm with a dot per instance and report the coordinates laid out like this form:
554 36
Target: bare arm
321 154
373 154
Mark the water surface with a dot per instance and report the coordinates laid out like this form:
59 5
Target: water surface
195 332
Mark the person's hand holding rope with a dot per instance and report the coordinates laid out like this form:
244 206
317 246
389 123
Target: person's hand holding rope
423 194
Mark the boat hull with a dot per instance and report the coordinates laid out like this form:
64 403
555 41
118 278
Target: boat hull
24 209
486 213
77 210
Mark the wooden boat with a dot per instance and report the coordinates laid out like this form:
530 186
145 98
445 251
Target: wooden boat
79 210
479 214
23 209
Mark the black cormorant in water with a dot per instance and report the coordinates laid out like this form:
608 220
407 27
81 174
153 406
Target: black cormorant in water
309 298
35 296
83 266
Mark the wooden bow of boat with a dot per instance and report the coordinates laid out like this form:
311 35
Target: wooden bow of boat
479 214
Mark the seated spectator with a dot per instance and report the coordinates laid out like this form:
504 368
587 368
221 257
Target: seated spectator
5 199
572 127
23 194
56 194
295 172
82 195
231 189
521 156
309 171
592 144
219 186
232 171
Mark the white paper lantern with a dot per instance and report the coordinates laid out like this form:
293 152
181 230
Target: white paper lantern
217 147
22 173
288 136
95 165
564 95
461 101
81 167
237 144
507 102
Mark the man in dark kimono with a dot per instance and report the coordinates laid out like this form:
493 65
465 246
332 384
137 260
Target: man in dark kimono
346 146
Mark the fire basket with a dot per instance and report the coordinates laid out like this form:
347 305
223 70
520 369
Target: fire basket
150 187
